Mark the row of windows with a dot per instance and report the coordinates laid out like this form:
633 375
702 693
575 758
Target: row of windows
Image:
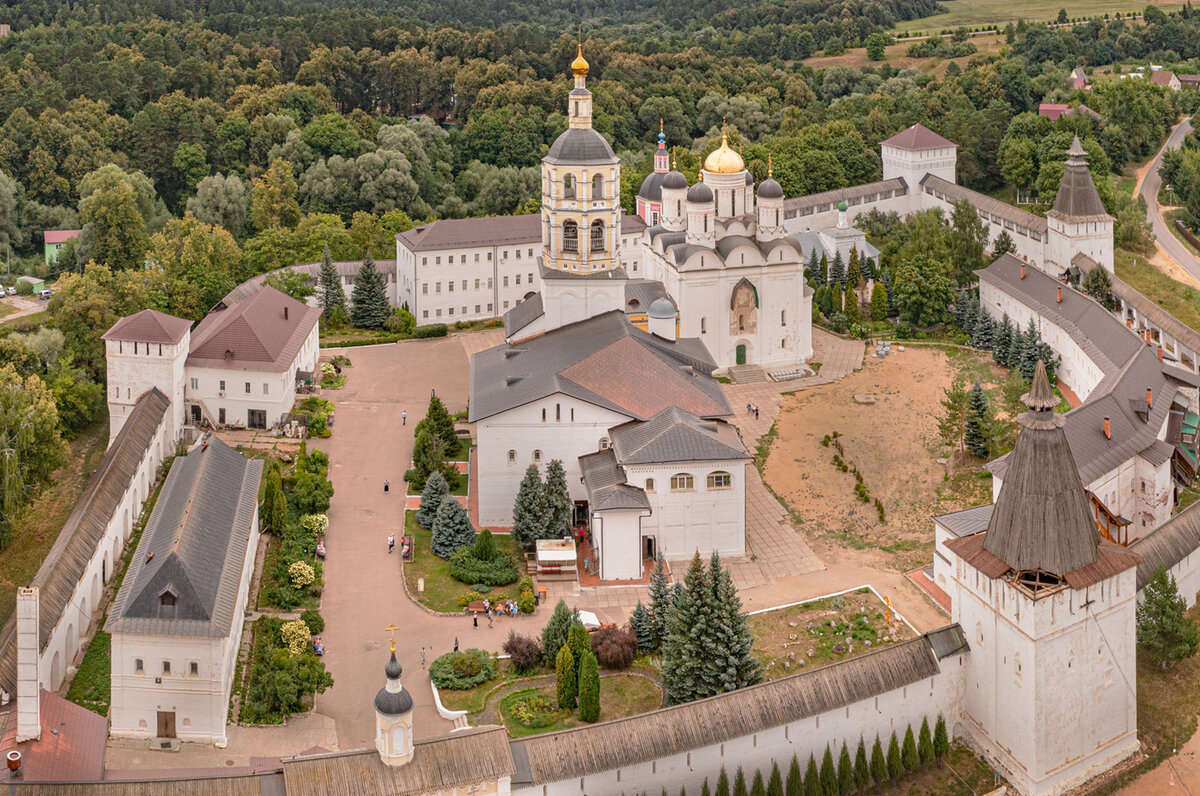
558 413
570 233
139 667
462 258
195 385
685 482
569 185
479 284
450 311
139 348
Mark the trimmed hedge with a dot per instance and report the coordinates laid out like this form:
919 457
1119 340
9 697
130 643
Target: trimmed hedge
466 568
460 671
432 330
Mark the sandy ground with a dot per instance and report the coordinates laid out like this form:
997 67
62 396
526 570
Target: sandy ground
895 445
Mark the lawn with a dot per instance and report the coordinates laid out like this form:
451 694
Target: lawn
1178 299
620 695
472 699
6 309
801 637
36 529
976 13
92 686
442 591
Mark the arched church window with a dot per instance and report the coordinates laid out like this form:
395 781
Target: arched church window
512 457
569 186
597 240
741 323
703 325
598 187
570 236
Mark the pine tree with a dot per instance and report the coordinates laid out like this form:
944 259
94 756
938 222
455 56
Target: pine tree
775 782
758 787
925 744
589 688
837 269
845 772
979 423
953 422
431 499
580 643
812 779
722 783
529 510
908 752
879 302
564 678
879 769
660 604
795 780
828 773
441 424
853 271
332 295
732 663
862 769
558 502
1163 630
941 742
452 528
554 634
739 783
1001 339
369 306
639 622
895 765
684 667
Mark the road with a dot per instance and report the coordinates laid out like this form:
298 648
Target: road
1149 191
24 306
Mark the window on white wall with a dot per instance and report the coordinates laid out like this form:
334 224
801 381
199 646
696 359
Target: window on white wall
512 457
719 479
195 384
139 666
681 482
537 457
649 484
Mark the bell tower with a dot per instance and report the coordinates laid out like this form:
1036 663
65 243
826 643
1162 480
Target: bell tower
581 191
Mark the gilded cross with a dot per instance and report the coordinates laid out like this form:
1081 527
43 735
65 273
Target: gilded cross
391 630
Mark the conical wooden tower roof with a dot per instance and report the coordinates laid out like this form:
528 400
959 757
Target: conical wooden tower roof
1077 196
1042 520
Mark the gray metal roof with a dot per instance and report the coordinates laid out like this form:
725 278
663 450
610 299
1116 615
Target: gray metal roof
1077 198
1167 545
700 193
606 485
523 314
806 242
641 293
674 435
581 145
855 194
980 201
652 186
603 360
770 189
967 521
194 546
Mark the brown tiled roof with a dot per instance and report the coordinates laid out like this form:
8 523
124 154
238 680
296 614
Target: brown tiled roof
74 752
1110 560
1162 77
465 233
76 544
918 137
264 332
149 326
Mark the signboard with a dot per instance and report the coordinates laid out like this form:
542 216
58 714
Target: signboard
420 585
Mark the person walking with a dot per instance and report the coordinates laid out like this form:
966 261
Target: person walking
391 543
489 616
422 657
387 486
756 411
474 619
456 643
404 418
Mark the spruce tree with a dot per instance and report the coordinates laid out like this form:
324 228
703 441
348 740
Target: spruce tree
1016 345
758 787
639 621
837 269
879 302
886 278
879 769
925 744
431 499
895 765
853 310
941 741
775 782
558 502
828 773
369 305
853 271
962 311
981 335
589 688
845 772
812 270
554 634
868 267
1163 630
330 284
1001 339
429 456
739 783
812 779
1030 343
452 528
580 643
722 783
732 663
660 604
704 789
862 769
684 668
908 751
441 424
279 514
794 786
979 423
564 678
529 510
824 269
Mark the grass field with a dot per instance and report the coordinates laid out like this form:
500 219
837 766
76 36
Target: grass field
975 13
442 591
1180 300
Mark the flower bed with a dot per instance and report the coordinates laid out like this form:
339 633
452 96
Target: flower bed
278 682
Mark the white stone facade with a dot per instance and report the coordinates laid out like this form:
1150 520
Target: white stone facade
707 516
137 366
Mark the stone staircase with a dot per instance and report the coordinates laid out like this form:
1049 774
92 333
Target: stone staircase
748 374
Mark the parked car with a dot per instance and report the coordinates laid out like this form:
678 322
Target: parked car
45 294
12 291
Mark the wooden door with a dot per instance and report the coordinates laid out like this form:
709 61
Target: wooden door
166 724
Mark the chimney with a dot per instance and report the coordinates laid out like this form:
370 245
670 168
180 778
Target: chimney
1107 428
1022 270
1149 398
1060 295
285 309
29 686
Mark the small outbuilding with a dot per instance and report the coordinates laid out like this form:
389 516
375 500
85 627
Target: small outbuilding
36 284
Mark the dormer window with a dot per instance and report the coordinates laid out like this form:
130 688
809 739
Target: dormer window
167 599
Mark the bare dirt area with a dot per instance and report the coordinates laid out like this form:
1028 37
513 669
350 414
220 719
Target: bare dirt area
893 443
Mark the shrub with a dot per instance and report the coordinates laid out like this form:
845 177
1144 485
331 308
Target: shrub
480 588
908 754
278 680
564 677
295 636
525 583
469 598
432 330
904 329
466 568
314 620
524 652
589 688
301 574
839 322
311 493
314 524
615 647
526 603
459 671
532 709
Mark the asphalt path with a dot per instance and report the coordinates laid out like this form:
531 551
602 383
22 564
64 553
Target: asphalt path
1149 191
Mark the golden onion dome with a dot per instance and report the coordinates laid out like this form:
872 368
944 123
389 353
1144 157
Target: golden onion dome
724 160
580 65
